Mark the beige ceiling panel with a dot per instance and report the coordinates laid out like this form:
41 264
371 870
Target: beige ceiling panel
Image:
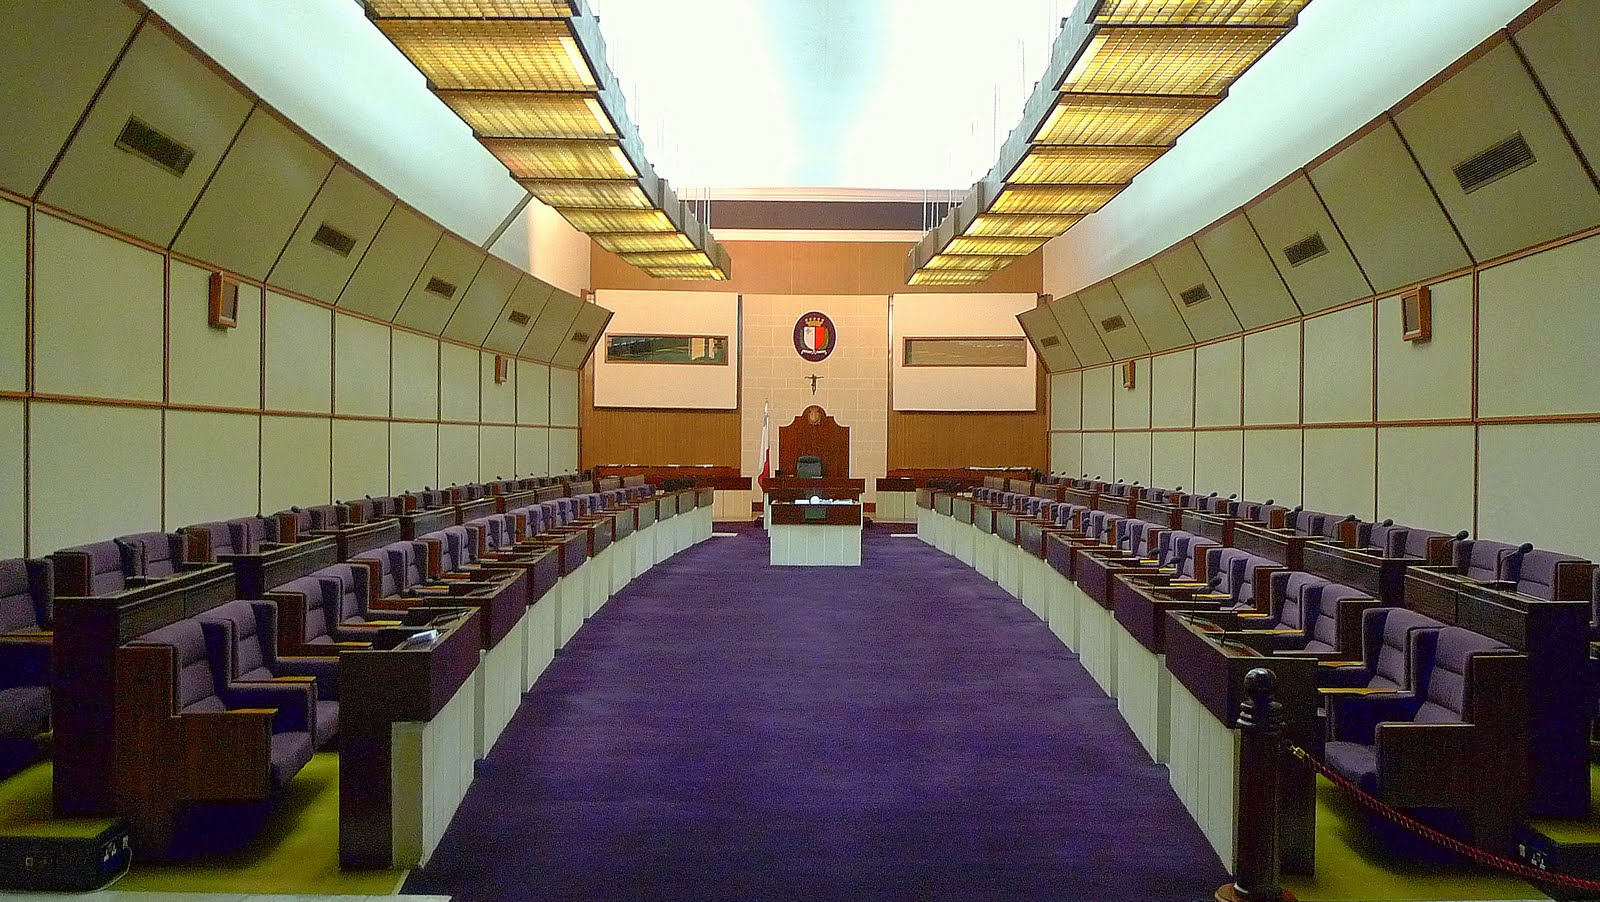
1079 332
585 331
552 327
1044 332
1245 273
258 196
1502 166
1112 321
484 300
444 281
389 268
1387 213
56 55
1305 246
178 112
526 303
332 237
1200 299
1561 47
1152 308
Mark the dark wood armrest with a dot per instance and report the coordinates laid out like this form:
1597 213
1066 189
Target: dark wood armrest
293 679
227 754
1355 690
1426 764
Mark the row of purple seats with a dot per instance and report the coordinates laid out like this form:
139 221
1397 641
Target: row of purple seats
26 590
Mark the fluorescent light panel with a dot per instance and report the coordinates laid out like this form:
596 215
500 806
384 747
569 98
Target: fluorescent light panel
670 260
1078 199
1084 165
472 9
592 221
1022 226
1276 13
538 158
642 242
493 54
531 114
593 194
693 273
965 263
1168 60
1000 247
1112 119
949 277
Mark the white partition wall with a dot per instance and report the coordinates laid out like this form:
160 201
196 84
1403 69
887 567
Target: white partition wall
669 385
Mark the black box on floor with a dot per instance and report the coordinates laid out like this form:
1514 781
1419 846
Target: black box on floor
1572 858
72 858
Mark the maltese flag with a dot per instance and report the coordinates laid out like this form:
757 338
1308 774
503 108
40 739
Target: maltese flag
766 445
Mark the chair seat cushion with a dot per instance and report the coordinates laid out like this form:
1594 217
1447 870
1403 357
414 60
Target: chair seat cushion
23 710
327 721
290 752
1355 762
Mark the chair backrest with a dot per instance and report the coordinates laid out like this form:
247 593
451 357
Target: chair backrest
1298 593
248 534
93 569
1486 561
321 601
1320 605
204 541
1446 696
460 548
239 639
26 590
1418 543
151 554
1386 644
195 683
1387 538
1554 576
406 566
1304 522
350 589
294 523
1238 571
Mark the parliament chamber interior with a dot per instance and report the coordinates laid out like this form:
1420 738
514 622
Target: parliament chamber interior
1058 450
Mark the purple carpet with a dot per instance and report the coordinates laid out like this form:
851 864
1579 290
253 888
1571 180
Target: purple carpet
724 730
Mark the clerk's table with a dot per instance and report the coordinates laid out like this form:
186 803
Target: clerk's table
815 533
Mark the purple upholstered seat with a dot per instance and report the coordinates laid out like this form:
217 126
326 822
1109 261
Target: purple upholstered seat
1386 650
1260 511
1239 570
1306 523
242 642
1130 536
1417 542
86 570
1551 575
1184 552
25 597
349 586
398 566
1387 538
200 689
152 555
1484 561
249 534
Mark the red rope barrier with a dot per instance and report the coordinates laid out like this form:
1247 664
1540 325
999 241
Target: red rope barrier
1407 822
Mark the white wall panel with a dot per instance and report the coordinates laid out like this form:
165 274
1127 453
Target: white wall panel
122 489
11 481
213 465
496 452
296 462
666 385
1272 376
498 400
299 355
13 296
533 451
968 387
533 393
1098 449
563 397
1097 387
563 451
458 383
458 454
1341 471
1219 462
1171 389
1172 459
1538 483
1427 379
1272 465
1425 476
1338 376
1537 326
211 366
1218 383
1130 407
413 456
360 367
415 376
1132 458
1066 453
1066 400
360 458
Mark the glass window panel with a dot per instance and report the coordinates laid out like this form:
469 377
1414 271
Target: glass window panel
690 349
966 352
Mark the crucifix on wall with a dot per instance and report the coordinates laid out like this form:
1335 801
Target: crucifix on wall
814 379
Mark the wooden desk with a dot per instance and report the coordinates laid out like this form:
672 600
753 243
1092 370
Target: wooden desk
815 535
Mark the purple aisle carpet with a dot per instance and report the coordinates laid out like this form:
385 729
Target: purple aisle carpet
724 730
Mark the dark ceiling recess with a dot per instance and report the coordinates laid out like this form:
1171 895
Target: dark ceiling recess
827 215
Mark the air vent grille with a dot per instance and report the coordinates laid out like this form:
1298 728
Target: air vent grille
581 337
1497 162
519 318
1112 323
1193 296
334 240
1049 341
1305 250
141 139
440 287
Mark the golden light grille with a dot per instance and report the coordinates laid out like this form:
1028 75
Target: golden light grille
670 260
702 274
1022 226
536 158
1277 13
949 261
1000 247
531 114
472 9
1084 165
619 220
641 242
949 277
1111 119
493 54
1168 60
618 195
1081 199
